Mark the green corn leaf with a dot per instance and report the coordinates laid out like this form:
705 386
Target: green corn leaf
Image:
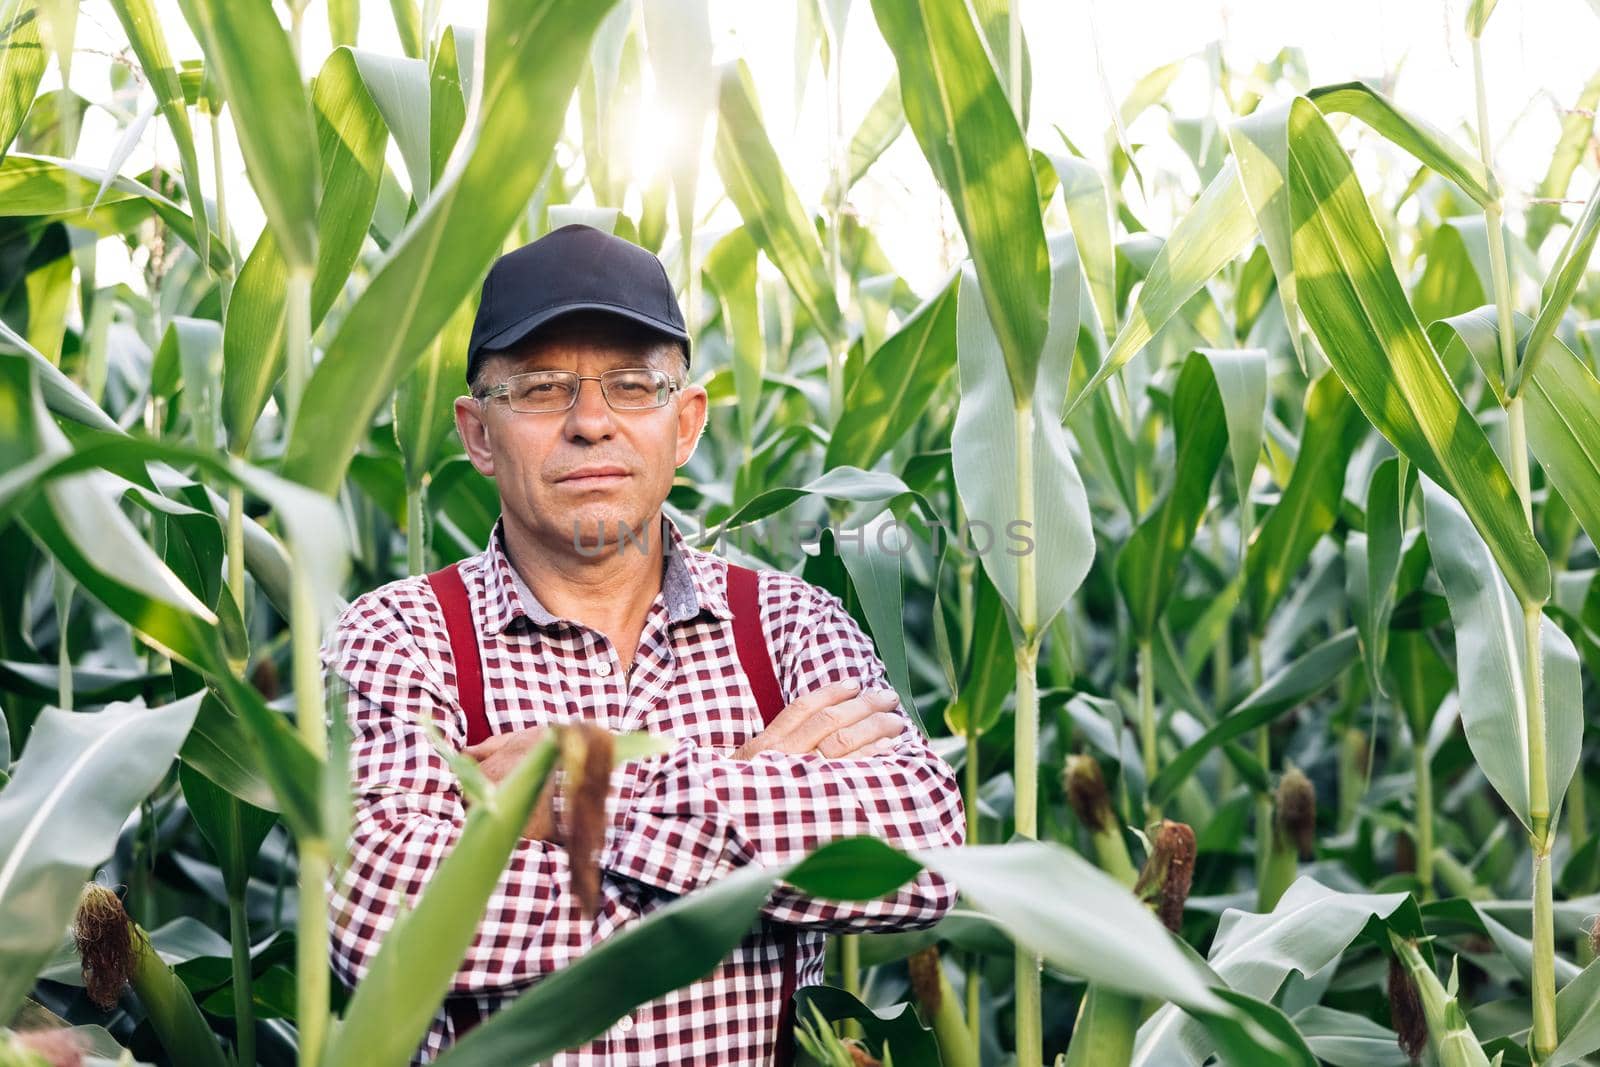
731 267
1260 144
669 948
1347 1039
958 109
63 189
138 18
1491 663
197 344
22 63
989 668
1457 276
344 21
897 1028
351 139
80 777
1406 131
1577 123
839 483
248 54
408 27
450 87
894 390
219 746
994 22
1559 401
1241 375
447 247
874 569
771 209
393 1004
1310 502
1577 1018
1147 567
424 403
1087 928
1253 954
402 89
880 127
1374 563
1089 210
232 828
1559 289
1355 305
1290 687
984 447
1215 231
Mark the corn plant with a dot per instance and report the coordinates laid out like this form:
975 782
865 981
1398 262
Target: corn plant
1269 724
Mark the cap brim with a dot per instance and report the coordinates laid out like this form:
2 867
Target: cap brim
523 327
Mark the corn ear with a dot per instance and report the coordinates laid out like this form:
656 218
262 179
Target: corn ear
1085 787
1449 1034
116 952
586 753
937 1001
1293 837
1169 872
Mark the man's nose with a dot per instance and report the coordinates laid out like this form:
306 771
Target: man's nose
590 417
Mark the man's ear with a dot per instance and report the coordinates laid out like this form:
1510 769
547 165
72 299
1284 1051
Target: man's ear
474 432
691 421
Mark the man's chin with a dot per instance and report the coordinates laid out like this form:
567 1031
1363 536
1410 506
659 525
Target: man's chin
598 526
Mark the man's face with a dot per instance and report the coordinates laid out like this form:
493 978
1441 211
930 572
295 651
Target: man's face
535 457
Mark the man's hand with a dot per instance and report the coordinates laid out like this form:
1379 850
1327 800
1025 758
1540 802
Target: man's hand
499 755
837 721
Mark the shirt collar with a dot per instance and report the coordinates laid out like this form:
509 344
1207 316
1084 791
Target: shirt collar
692 582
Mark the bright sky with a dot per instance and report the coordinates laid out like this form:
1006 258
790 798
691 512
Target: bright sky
1538 54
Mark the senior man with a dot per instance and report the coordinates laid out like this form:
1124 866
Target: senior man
588 604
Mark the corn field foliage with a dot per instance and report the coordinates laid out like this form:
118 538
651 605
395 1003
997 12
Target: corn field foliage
1272 745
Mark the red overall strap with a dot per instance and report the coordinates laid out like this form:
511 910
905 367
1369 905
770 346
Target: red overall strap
750 641
451 593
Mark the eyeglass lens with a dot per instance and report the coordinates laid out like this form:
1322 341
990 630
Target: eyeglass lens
624 388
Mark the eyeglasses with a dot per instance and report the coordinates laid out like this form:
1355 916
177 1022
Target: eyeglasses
547 391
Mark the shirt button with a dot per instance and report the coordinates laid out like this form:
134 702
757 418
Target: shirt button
625 1023
603 669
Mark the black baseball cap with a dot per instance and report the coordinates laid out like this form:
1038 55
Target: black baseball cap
574 268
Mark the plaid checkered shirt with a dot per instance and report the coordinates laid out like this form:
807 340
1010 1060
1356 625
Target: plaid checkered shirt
678 820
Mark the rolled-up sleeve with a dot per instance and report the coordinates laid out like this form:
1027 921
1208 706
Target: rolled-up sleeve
695 813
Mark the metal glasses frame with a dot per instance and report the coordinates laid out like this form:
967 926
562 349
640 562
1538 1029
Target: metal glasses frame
504 389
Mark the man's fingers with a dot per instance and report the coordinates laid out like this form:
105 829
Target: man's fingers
879 726
830 720
511 738
491 744
807 704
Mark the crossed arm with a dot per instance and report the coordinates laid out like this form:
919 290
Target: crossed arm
681 820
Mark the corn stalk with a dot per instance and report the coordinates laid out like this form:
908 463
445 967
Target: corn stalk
1540 837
